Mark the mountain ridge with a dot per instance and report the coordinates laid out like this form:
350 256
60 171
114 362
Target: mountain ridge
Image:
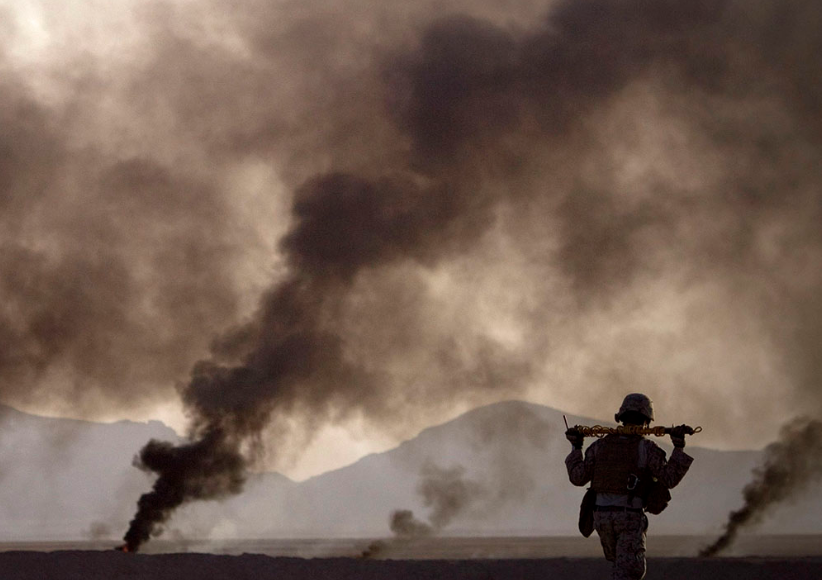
509 456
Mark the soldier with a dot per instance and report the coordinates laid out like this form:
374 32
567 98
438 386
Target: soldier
621 469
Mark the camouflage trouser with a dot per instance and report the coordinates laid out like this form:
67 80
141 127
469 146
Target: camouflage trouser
622 535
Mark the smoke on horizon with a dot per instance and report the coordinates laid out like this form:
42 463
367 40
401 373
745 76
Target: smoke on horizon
791 464
297 214
447 494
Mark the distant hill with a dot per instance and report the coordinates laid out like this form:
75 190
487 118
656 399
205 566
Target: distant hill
66 479
498 469
514 451
63 478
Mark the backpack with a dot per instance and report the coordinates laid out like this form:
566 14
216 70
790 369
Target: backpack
586 513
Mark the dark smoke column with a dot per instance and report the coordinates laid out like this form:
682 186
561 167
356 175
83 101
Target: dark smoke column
343 224
205 469
790 464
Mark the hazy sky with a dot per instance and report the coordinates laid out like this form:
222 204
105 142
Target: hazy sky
576 200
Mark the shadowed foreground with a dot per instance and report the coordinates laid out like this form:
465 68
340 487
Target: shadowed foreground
112 565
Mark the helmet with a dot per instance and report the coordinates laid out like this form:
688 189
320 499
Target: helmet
639 403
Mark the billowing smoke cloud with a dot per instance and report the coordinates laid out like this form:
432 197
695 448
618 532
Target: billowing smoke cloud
114 268
404 524
790 465
503 474
343 224
596 195
447 493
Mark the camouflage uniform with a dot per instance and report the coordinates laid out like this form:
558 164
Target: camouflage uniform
622 533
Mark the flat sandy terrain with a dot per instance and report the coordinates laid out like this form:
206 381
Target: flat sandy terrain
110 565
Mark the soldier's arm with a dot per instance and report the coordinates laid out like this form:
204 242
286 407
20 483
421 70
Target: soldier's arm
669 472
581 469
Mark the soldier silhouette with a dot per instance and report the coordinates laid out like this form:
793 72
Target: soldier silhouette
622 470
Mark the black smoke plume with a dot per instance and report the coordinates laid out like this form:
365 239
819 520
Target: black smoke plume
790 465
343 224
208 468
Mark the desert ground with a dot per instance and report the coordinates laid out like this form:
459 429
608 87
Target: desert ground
753 557
111 565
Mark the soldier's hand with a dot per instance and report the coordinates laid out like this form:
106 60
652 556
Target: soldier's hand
575 437
678 435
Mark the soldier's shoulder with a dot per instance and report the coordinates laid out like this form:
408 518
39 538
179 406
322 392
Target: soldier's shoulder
597 443
652 448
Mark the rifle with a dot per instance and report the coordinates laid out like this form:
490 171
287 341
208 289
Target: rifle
601 431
